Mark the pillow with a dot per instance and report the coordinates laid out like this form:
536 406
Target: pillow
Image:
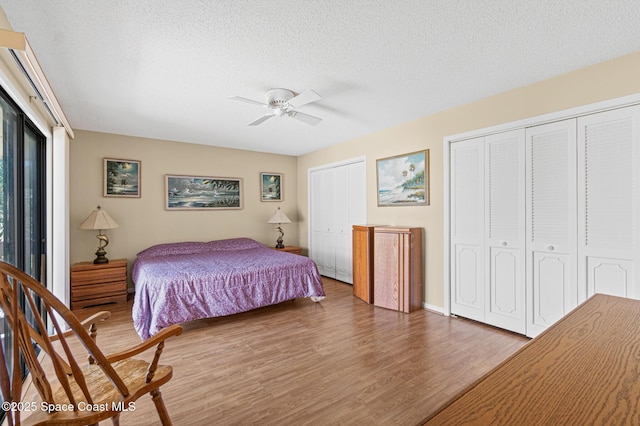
187 247
191 247
233 244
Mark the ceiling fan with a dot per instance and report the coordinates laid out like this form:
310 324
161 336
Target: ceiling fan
283 102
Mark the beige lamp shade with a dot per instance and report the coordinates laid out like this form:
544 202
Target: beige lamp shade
279 218
99 220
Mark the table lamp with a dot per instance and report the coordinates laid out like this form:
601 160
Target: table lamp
99 220
279 218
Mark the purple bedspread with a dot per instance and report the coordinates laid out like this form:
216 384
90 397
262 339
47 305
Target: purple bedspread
182 282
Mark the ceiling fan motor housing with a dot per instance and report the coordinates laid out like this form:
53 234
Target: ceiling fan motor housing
284 102
278 99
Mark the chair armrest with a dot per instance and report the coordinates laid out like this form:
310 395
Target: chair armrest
160 337
87 323
98 316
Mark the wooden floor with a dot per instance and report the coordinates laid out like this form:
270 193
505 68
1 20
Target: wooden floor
340 361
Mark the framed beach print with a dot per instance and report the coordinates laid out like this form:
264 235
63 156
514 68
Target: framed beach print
121 178
202 193
271 187
403 180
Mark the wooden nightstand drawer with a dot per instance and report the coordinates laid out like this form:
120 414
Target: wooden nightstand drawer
80 278
93 284
292 249
98 294
98 290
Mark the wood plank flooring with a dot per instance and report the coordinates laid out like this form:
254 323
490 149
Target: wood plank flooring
337 362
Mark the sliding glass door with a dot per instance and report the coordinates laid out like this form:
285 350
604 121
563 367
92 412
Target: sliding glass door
22 201
22 190
34 210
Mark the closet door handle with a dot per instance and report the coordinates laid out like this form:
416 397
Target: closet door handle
551 248
503 243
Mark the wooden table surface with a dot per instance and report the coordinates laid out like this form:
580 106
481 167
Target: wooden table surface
583 370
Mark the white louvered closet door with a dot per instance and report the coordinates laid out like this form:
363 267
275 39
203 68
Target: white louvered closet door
551 244
322 249
505 231
343 224
337 202
609 213
467 228
354 184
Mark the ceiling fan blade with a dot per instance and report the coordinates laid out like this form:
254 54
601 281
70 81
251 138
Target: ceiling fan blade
249 101
304 98
260 120
305 118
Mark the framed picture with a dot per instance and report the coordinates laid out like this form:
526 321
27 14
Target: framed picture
202 193
403 180
271 187
121 178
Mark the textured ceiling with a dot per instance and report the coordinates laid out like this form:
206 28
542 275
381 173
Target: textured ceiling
165 69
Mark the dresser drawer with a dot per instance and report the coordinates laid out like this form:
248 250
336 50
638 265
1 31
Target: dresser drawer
80 278
93 284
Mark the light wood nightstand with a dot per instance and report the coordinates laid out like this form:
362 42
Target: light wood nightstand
93 284
292 249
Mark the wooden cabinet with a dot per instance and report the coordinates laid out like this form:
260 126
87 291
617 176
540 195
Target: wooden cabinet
93 284
397 270
362 237
548 378
292 249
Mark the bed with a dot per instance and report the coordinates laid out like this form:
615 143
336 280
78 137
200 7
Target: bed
186 281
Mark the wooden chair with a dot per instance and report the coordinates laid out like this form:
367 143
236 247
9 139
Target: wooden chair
100 389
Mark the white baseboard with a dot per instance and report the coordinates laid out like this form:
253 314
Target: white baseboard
433 308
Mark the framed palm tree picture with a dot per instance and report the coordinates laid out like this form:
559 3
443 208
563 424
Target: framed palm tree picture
271 187
403 180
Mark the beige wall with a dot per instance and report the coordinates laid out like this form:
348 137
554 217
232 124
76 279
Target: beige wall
144 221
607 80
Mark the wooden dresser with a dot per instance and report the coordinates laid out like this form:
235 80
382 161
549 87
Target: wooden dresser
93 284
397 269
362 240
583 370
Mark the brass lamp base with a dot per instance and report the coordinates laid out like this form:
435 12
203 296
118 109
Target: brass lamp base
279 241
100 253
100 257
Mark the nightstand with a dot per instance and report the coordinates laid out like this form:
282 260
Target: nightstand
93 284
292 249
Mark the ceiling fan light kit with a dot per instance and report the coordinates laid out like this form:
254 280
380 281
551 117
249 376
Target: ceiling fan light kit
284 102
